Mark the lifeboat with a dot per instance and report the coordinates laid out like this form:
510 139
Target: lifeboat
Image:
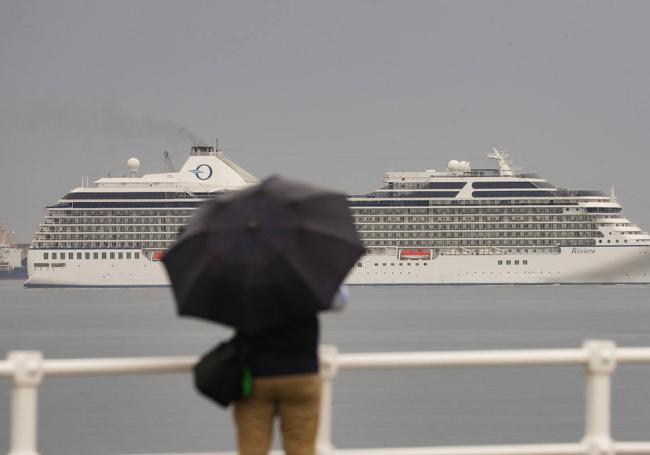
415 254
157 256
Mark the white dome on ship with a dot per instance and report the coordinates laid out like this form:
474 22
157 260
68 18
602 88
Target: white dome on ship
133 164
458 166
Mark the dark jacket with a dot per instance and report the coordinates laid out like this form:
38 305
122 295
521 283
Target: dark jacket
289 349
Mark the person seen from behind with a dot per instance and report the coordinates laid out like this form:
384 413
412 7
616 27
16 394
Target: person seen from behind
286 384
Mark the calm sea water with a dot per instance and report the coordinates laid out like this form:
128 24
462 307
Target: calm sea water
147 414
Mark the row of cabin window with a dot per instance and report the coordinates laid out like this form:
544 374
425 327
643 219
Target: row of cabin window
475 201
469 226
95 255
360 264
44 244
473 243
112 228
509 262
479 235
118 221
101 236
495 209
121 213
481 218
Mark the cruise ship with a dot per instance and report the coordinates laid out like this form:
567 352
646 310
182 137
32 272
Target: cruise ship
458 226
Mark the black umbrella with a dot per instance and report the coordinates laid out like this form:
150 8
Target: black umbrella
256 258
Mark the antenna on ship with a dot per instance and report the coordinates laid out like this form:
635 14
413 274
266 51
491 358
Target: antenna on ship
506 164
169 166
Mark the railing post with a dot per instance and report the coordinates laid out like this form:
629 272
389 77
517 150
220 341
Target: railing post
27 375
600 367
329 367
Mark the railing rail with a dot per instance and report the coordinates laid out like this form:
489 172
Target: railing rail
26 369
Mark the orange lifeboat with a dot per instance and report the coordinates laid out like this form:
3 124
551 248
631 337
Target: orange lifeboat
415 254
157 256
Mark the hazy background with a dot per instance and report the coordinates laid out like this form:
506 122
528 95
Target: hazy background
334 92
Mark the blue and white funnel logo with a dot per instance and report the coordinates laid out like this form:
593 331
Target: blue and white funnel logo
202 172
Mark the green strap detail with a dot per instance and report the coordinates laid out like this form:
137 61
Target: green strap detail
247 383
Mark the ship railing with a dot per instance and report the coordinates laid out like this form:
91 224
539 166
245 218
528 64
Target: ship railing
599 358
190 193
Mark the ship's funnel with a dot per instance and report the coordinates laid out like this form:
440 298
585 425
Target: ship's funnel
203 150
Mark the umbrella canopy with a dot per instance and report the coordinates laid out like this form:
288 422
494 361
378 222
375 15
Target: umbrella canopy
256 258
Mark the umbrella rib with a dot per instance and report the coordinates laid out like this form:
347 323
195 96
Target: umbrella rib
299 270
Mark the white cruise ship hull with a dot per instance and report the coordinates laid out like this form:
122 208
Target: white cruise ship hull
594 265
140 272
597 265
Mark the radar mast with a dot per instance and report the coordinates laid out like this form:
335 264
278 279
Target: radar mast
169 166
506 163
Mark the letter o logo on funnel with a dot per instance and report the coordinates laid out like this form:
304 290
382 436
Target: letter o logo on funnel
201 171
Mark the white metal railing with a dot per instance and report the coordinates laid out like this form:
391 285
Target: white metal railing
26 369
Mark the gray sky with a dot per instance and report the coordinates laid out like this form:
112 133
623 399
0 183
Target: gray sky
335 92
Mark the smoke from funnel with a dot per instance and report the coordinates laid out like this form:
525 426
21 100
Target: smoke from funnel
106 122
192 137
